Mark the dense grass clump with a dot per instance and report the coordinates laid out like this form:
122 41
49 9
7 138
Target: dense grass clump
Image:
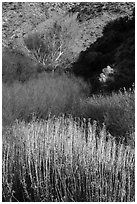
47 94
51 161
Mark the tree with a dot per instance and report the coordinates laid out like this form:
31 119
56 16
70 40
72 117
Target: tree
55 44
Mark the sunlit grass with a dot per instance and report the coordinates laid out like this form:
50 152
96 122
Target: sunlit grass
59 160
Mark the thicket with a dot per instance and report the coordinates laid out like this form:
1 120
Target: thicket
41 96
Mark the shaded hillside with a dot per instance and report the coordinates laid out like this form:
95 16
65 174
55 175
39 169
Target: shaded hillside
94 16
115 48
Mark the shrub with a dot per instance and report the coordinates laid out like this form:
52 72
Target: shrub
117 111
16 66
47 94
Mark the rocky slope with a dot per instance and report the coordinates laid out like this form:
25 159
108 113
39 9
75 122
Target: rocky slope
19 18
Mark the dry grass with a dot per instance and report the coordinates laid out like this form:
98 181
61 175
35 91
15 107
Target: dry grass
52 161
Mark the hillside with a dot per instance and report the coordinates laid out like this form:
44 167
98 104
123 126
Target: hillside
109 62
20 18
78 30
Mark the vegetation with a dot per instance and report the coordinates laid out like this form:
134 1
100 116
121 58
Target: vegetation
70 169
61 94
117 111
17 67
46 94
68 102
54 40
54 47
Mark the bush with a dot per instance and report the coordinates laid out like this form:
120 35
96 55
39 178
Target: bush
117 111
16 66
48 94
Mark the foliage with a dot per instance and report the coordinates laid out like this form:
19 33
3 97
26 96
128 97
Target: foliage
59 144
55 46
117 111
17 66
41 96
51 162
54 94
